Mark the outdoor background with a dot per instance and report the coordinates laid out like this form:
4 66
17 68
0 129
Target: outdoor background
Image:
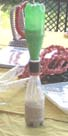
5 26
5 6
56 14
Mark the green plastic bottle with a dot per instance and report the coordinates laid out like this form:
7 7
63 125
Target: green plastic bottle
34 28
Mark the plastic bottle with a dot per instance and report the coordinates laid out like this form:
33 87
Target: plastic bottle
35 100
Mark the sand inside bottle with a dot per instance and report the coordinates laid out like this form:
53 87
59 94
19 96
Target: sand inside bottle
34 114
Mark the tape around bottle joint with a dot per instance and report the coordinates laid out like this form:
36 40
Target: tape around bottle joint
34 66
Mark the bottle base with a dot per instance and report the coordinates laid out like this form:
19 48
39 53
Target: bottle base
34 124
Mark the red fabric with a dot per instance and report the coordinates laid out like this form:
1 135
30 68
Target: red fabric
56 63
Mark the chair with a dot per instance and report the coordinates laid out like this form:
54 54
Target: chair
17 39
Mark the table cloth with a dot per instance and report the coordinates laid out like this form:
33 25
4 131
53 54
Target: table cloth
12 122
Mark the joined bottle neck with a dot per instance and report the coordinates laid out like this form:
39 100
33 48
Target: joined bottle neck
34 67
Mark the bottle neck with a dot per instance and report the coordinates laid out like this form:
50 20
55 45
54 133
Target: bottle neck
34 67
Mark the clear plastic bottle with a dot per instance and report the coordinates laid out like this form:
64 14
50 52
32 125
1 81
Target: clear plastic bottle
34 102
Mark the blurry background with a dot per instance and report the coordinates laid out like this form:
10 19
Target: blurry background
56 14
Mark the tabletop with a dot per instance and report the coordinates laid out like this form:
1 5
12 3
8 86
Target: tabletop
12 122
56 38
